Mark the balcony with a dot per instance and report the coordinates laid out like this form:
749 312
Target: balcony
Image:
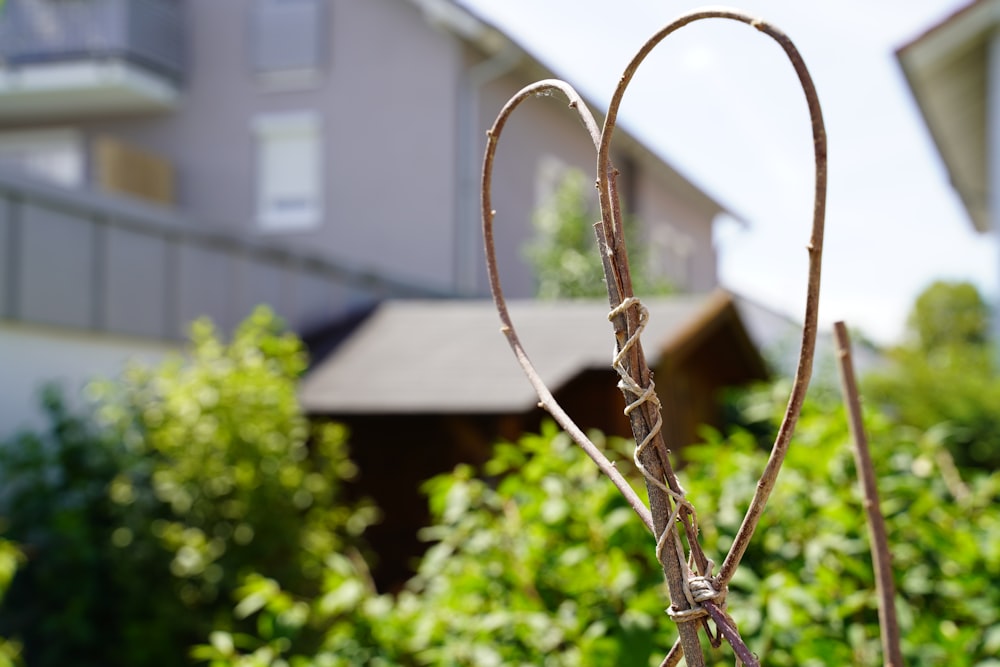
71 58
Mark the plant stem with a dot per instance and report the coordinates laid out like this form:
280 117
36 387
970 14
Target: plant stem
881 558
605 174
547 400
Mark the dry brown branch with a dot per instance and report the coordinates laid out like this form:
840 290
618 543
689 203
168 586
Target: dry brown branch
667 502
951 476
674 657
881 558
620 282
804 371
654 460
727 628
546 400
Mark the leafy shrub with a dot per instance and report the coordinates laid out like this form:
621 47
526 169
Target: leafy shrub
805 594
80 598
10 558
539 562
201 482
140 521
250 485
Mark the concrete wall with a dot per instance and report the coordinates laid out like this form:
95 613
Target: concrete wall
32 356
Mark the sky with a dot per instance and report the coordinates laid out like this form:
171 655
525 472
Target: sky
719 101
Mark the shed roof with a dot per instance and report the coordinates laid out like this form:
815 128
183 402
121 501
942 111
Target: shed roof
450 357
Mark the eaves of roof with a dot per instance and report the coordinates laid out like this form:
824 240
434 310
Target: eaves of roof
488 38
947 69
438 356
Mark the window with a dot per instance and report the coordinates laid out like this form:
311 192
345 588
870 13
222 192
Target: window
671 255
550 174
289 171
53 155
287 39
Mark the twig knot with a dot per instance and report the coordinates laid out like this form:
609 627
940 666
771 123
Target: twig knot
698 589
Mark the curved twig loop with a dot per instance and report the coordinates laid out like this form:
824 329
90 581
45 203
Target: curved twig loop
546 399
667 502
615 241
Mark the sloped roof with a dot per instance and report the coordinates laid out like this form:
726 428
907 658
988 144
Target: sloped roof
946 68
450 357
465 23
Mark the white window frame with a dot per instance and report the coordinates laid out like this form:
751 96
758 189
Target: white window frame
549 176
55 155
289 171
672 254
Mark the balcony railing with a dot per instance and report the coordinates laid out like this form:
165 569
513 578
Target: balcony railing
147 33
81 260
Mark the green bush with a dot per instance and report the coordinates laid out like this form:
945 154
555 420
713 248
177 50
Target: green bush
79 598
539 562
200 485
10 559
249 484
805 595
141 520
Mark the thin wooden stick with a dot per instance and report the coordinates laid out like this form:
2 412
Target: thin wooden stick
728 630
673 658
546 399
610 209
656 461
881 558
815 249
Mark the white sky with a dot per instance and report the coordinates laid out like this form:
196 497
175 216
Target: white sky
720 102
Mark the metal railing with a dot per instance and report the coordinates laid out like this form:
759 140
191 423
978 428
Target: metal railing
146 32
84 260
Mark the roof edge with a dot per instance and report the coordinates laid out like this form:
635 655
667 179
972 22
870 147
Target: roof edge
466 24
924 53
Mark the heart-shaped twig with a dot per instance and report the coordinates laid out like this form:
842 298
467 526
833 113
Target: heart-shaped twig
694 593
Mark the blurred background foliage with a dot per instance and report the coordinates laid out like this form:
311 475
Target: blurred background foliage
944 375
10 558
194 515
563 250
140 519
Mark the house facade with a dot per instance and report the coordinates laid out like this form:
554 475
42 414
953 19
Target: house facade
953 70
166 159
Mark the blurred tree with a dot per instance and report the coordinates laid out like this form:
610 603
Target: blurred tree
563 252
944 375
949 314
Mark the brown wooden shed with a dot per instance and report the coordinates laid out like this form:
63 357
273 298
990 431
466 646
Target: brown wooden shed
425 385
